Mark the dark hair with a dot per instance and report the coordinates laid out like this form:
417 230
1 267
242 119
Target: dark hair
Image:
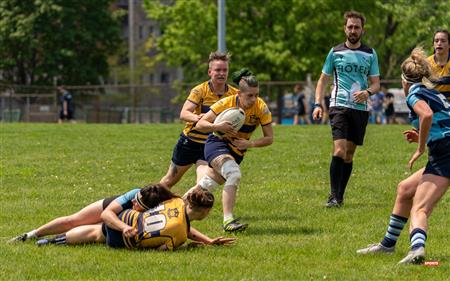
442 31
354 14
248 81
154 194
237 75
200 198
219 56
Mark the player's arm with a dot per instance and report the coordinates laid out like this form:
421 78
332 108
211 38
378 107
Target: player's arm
187 112
321 85
197 236
206 124
109 216
266 140
425 114
363 95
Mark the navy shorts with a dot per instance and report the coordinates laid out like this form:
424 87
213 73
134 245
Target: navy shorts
215 147
187 152
113 237
69 115
348 123
108 201
439 158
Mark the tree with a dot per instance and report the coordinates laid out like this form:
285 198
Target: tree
67 40
286 39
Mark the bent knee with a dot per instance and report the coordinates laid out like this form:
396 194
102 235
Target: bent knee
406 191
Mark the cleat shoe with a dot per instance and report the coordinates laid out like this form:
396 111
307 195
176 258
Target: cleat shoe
375 249
332 203
233 225
20 238
416 256
42 242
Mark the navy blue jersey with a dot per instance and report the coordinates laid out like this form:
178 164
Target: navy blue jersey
440 127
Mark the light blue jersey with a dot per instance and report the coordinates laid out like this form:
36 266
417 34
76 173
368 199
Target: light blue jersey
440 127
351 67
124 200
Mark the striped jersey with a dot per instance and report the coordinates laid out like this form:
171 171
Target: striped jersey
440 127
167 224
258 114
203 97
443 73
350 67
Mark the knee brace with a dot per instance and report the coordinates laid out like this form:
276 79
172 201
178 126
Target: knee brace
207 183
232 173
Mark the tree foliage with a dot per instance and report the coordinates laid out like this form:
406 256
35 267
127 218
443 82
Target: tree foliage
286 39
68 40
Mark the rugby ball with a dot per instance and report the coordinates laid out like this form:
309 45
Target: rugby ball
234 115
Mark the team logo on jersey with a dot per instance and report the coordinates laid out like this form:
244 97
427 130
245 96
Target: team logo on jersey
173 213
253 119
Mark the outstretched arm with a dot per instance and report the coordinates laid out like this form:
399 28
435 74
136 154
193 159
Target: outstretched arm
196 235
425 114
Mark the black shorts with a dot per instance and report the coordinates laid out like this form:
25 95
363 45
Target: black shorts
113 237
187 152
215 147
108 201
439 158
69 115
349 124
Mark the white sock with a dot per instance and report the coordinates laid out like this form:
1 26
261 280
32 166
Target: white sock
32 234
227 217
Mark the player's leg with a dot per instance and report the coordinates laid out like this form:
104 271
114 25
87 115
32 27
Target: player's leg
399 217
174 174
78 235
88 215
428 193
347 168
336 171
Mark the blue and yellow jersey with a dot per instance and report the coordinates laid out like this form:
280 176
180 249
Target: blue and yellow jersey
350 67
443 73
203 96
258 114
440 127
166 224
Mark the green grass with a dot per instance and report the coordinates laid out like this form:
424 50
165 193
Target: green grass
51 170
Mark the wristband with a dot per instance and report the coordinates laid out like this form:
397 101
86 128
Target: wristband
369 92
316 105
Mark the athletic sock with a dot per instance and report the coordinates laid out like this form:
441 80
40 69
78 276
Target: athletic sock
227 218
346 172
396 225
336 167
59 240
32 234
418 237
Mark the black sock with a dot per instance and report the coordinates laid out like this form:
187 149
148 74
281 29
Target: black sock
346 172
59 239
336 167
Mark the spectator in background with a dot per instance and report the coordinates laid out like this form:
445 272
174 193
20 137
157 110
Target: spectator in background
66 102
301 106
389 110
376 103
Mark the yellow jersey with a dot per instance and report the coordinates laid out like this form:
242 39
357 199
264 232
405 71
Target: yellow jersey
203 96
258 114
166 224
443 73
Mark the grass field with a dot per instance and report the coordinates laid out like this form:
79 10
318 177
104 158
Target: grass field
50 170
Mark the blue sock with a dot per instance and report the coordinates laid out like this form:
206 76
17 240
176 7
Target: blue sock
396 225
418 237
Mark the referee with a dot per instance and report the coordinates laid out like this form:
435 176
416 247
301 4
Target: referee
352 64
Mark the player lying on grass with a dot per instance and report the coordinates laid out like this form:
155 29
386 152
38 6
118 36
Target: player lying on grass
419 193
108 209
162 227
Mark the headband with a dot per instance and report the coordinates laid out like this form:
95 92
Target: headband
410 79
140 202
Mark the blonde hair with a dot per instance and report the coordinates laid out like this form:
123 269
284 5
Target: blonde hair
416 69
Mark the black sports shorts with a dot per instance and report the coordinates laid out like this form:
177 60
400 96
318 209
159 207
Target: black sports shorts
439 158
348 123
187 152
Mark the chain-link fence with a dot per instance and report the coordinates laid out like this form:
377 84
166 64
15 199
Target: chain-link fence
159 103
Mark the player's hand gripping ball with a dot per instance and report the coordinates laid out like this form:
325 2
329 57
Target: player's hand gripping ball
234 115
